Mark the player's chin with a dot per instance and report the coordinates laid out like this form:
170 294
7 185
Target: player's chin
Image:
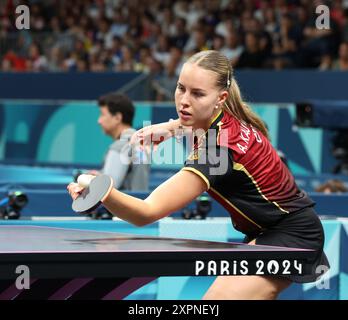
187 122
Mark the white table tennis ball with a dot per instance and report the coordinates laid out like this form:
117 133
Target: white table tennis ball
84 180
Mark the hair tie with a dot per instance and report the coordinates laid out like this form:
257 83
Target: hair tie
228 79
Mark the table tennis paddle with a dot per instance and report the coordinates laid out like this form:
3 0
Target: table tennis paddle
92 196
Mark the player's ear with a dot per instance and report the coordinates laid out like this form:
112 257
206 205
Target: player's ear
222 97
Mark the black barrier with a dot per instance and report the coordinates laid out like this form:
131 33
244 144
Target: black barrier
257 86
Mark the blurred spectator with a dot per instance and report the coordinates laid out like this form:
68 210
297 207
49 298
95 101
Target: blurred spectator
232 48
337 12
166 83
252 56
13 62
286 39
166 20
342 62
332 186
161 49
119 24
317 42
196 42
144 52
270 20
345 26
218 42
55 59
176 55
225 26
127 62
179 34
104 33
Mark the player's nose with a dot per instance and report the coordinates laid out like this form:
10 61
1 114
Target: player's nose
185 99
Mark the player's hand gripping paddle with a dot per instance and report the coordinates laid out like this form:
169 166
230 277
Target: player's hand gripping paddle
97 188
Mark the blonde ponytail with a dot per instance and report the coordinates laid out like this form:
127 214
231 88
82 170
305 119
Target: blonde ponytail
239 109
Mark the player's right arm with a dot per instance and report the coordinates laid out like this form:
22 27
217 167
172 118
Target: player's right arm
172 195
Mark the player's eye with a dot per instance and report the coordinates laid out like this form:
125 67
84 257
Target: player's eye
198 94
180 87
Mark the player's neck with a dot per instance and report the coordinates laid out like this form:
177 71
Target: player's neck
205 125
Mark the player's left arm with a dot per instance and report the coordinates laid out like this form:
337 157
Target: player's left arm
170 196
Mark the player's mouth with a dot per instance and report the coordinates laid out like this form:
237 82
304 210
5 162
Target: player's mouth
184 115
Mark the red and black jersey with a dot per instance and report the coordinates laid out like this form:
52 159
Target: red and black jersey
244 173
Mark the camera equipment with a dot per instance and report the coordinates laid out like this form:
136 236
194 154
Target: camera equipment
331 115
100 213
203 207
11 206
340 151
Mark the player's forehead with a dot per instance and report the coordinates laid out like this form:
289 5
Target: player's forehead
194 76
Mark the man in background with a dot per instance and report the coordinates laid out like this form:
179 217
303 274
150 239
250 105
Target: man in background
124 166
128 168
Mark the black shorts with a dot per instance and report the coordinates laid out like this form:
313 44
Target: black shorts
300 229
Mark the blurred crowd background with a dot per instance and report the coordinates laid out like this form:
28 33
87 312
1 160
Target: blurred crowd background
155 36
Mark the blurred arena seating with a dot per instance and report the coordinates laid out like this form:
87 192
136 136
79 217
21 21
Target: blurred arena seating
155 36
